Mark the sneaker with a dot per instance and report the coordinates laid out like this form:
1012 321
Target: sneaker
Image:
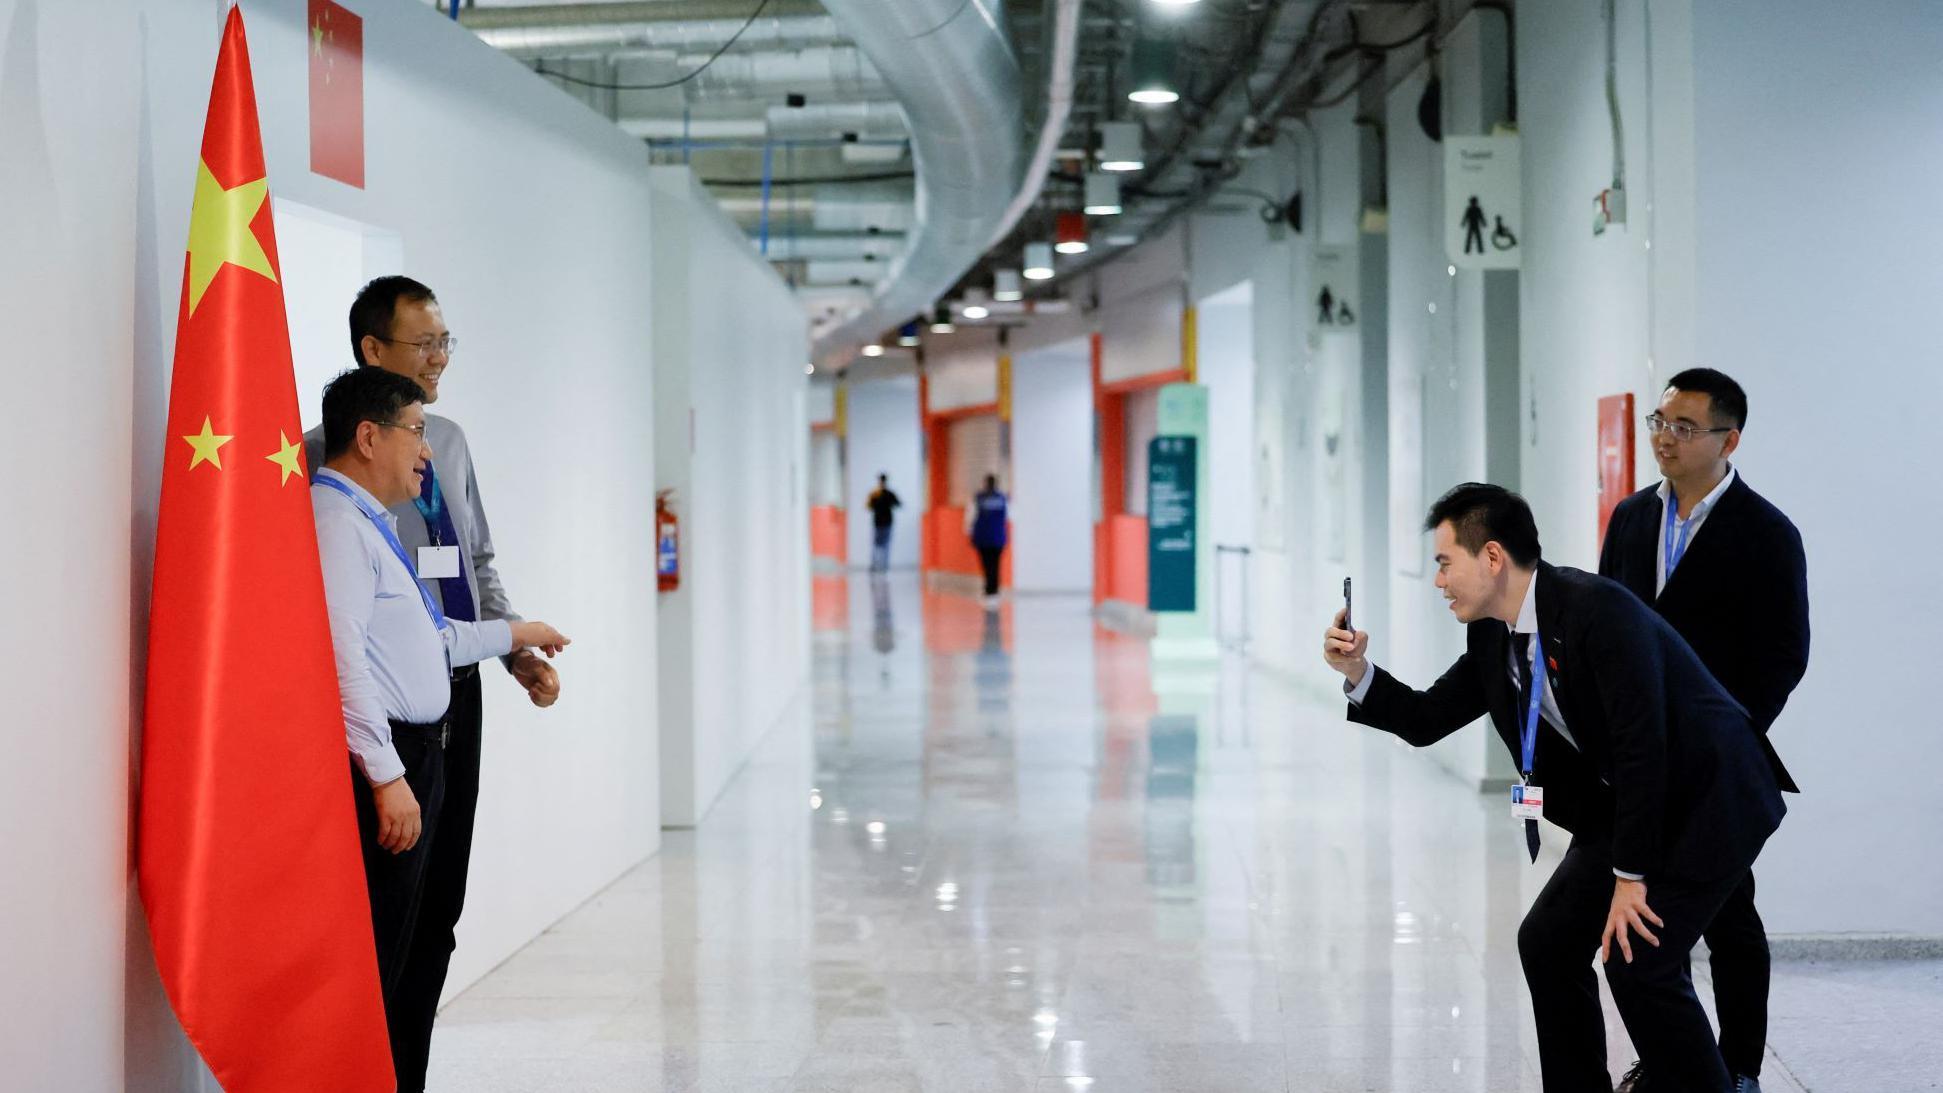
1634 1081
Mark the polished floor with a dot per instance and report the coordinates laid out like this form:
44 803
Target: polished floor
1011 852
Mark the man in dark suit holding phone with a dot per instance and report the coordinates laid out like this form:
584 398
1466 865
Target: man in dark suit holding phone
1624 740
1739 595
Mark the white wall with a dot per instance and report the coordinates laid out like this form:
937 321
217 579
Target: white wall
530 217
1225 356
1052 460
884 439
730 402
1817 288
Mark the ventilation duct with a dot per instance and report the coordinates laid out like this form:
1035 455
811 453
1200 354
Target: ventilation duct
851 246
825 70
951 68
556 38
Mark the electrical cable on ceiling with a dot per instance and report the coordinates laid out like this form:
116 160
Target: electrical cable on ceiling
699 69
828 180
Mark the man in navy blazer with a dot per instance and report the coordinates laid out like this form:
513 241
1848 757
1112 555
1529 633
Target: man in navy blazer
1727 570
1654 769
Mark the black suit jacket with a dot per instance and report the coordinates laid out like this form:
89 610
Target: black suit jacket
1667 762
1739 596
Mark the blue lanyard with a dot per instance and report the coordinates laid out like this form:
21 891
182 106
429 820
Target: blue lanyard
391 540
431 512
1537 692
1674 550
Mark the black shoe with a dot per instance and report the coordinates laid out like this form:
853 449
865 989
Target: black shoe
1745 1084
1634 1081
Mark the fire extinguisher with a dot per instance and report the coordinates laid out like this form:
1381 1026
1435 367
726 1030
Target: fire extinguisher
667 542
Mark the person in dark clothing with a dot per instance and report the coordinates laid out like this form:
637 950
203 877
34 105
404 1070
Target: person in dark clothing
1739 595
1624 739
882 503
985 519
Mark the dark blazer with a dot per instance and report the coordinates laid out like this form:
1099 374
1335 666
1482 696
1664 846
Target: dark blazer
1667 762
1739 596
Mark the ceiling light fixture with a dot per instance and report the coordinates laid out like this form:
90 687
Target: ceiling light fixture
1005 282
1069 233
941 320
873 350
907 335
975 312
1102 195
1038 263
1153 72
1120 146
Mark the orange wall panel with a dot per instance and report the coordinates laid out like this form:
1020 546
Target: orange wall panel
827 533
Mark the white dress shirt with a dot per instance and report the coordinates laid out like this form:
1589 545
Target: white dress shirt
392 662
1691 524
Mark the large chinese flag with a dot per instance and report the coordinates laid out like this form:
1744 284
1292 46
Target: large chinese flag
248 845
336 92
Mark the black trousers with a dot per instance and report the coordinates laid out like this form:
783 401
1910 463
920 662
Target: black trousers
1559 943
415 1003
1738 941
988 558
396 882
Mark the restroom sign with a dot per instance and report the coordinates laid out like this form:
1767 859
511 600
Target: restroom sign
1483 207
1333 284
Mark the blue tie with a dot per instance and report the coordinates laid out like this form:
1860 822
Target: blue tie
454 593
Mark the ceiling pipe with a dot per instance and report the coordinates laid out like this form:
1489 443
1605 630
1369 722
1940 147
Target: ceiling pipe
565 40
1059 108
880 120
641 11
835 246
842 70
949 64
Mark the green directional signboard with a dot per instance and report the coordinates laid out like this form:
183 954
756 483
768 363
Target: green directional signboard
1171 547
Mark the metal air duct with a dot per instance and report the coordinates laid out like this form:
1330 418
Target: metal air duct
950 66
556 38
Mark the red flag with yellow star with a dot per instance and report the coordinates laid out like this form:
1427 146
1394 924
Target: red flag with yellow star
247 842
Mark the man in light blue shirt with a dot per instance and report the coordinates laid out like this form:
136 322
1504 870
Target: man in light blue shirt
395 649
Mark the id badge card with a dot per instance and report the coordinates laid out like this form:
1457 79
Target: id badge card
1527 802
438 562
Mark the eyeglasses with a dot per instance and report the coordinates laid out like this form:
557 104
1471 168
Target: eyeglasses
1681 431
416 430
446 344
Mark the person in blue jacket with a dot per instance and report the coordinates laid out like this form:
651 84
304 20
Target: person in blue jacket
985 520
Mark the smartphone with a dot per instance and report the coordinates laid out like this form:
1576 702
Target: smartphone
1347 625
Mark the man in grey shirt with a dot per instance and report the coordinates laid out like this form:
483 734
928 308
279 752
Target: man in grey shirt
396 325
394 651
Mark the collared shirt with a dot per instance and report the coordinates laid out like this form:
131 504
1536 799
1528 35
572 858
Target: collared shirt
393 662
1691 524
452 456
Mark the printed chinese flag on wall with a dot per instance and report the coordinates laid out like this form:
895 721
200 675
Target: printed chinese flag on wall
336 93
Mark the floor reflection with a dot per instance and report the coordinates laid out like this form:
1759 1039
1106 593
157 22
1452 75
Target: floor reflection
1010 851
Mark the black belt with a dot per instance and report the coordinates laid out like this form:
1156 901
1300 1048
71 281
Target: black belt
464 672
437 732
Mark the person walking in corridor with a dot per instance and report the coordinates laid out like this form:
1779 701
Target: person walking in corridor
882 504
985 521
1741 600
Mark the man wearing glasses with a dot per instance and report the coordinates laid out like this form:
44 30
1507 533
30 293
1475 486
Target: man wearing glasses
395 651
1739 595
396 325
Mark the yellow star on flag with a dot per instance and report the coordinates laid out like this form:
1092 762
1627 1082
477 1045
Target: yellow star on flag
286 457
317 39
219 231
208 446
